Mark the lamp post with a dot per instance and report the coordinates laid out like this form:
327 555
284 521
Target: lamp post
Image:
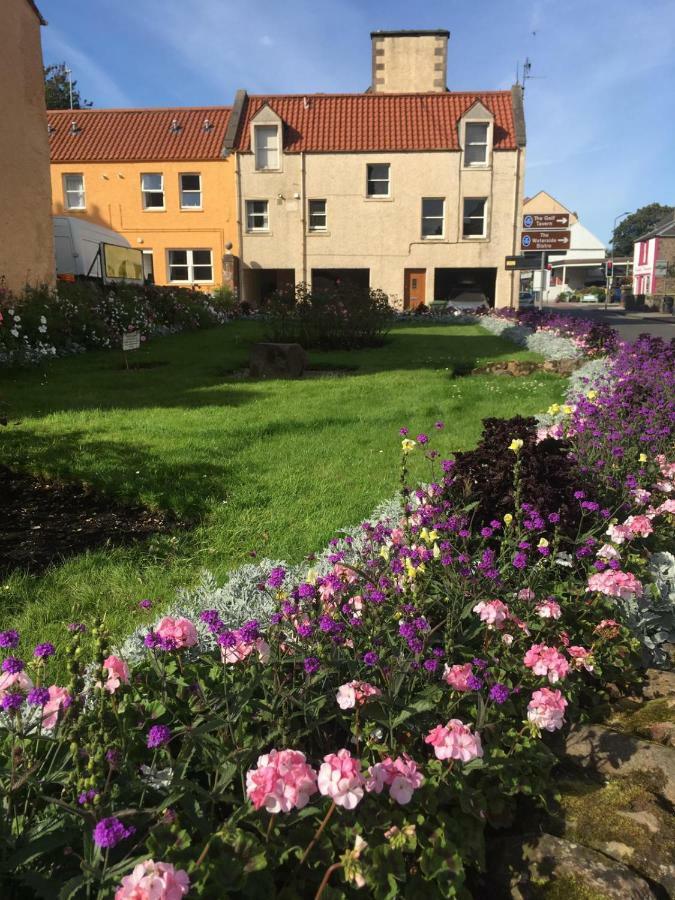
610 278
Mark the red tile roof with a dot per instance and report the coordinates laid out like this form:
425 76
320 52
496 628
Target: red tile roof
129 135
342 123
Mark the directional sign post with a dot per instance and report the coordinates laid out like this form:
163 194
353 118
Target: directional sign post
525 263
545 240
546 220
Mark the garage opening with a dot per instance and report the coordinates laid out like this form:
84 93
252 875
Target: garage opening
327 279
260 284
449 284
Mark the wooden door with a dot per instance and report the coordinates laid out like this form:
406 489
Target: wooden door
414 293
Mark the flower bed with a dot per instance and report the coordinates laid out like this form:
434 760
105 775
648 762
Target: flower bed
44 323
358 722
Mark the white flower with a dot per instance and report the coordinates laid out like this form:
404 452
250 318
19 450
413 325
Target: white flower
43 321
14 332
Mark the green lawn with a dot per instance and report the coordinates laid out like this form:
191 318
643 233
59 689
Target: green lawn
273 466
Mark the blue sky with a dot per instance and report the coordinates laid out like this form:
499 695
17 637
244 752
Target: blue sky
600 113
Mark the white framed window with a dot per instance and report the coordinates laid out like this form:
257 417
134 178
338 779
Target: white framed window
476 143
148 267
377 180
73 191
190 266
474 223
433 217
257 218
152 190
266 140
190 185
317 215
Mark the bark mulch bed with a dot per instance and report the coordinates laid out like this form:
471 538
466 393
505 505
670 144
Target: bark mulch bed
44 521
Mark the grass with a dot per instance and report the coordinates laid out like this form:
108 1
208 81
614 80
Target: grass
274 467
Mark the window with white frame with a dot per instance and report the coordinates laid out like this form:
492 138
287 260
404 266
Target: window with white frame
266 138
317 215
73 191
190 190
476 143
377 182
190 266
433 217
257 218
475 219
152 190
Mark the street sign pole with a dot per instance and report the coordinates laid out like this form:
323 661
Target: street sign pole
541 282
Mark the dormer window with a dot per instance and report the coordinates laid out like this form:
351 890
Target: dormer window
476 143
266 139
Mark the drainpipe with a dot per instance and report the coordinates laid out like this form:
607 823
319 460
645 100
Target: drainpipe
240 229
303 217
516 219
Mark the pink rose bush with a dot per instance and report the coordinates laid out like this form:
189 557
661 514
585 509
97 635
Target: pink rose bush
154 881
282 781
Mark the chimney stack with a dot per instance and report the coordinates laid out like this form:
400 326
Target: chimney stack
409 62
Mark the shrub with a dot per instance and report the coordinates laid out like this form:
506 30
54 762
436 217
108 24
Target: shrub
83 315
345 317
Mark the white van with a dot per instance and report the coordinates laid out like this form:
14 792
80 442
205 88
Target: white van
85 250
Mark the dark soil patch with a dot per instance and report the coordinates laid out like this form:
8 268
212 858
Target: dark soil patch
134 367
44 521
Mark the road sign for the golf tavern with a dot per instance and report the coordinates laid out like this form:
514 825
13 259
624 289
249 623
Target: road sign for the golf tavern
546 220
545 240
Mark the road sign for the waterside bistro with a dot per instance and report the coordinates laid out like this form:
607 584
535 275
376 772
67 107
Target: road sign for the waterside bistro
546 220
545 240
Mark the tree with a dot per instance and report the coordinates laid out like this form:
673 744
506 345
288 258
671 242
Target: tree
639 222
57 89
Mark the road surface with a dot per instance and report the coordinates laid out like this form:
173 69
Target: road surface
629 324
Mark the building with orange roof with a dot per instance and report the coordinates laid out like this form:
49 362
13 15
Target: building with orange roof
156 176
26 242
408 187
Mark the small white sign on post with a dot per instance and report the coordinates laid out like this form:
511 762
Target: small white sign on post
131 340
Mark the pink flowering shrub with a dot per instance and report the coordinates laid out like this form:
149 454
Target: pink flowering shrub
414 678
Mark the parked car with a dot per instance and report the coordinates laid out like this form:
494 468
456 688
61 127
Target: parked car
590 298
526 300
468 298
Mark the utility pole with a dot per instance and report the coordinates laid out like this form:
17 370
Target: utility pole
609 276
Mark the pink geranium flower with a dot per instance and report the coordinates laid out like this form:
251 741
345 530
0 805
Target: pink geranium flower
455 741
340 779
493 612
582 658
118 673
153 881
548 609
282 781
355 693
59 698
546 709
639 525
242 649
14 680
614 583
456 676
181 631
400 775
546 661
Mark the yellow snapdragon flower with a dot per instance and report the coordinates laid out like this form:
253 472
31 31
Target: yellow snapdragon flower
642 457
407 445
591 395
516 445
508 518
554 409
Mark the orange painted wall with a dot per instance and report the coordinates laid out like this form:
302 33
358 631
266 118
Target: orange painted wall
113 199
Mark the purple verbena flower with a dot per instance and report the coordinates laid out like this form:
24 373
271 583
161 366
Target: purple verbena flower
370 658
158 736
12 665
43 651
38 696
499 693
9 639
11 701
109 832
311 664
